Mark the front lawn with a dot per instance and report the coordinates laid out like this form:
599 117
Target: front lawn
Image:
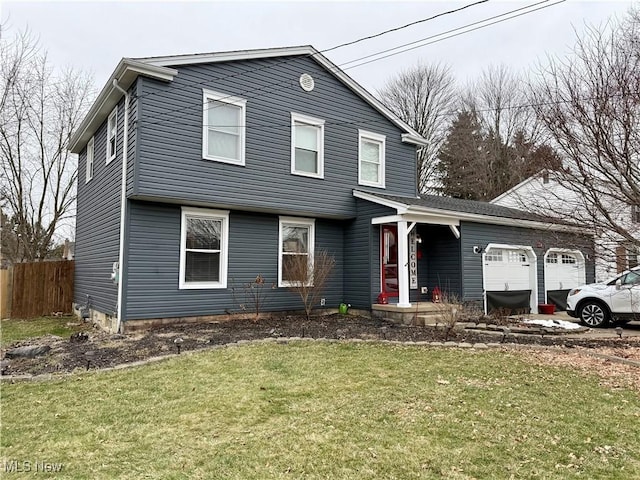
317 410
12 330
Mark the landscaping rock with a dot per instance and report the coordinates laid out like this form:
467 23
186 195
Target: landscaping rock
4 366
79 337
30 351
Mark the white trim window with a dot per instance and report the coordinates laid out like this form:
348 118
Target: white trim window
307 146
223 127
89 162
204 243
112 135
296 240
371 153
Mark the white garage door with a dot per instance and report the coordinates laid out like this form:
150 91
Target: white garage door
507 269
564 270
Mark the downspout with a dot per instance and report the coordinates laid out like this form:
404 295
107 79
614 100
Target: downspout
123 202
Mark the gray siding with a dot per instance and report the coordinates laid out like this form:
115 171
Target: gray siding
98 221
154 261
170 164
440 264
541 240
362 256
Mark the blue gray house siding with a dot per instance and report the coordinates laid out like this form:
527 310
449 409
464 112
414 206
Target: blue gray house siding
541 240
154 262
170 164
362 255
440 264
98 219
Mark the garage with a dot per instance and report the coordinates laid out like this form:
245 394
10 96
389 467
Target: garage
563 270
509 278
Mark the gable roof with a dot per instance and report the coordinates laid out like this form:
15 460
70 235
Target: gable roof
158 67
470 210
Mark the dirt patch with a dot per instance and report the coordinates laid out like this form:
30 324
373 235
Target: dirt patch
101 350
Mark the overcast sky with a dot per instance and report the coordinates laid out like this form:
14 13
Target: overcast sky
93 36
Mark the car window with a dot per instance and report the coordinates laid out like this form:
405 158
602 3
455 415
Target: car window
631 278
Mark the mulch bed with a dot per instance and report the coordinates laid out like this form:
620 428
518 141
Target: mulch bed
109 350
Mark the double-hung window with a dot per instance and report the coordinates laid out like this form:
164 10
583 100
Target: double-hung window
112 134
224 122
635 213
89 163
307 146
371 154
295 256
203 248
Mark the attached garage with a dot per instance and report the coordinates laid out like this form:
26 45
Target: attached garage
484 255
509 277
563 270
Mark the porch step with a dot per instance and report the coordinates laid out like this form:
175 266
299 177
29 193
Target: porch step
424 313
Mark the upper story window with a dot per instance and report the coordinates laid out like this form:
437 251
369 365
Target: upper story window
112 133
635 213
89 163
204 240
224 122
295 255
307 146
371 154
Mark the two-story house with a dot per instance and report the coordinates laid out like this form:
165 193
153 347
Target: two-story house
199 172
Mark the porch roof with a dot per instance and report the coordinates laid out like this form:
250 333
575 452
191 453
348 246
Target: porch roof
469 210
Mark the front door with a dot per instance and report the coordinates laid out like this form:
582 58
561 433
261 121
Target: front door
389 257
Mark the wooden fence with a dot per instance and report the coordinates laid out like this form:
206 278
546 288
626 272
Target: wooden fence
42 288
6 283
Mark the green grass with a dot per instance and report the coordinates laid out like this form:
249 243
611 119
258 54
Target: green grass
12 330
319 411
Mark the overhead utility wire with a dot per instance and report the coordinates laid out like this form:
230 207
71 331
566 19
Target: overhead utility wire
289 82
455 35
527 7
283 62
402 27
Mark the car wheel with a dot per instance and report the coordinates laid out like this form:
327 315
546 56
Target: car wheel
594 315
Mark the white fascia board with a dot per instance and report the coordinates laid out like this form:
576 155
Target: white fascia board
414 140
411 135
492 220
235 55
449 217
125 73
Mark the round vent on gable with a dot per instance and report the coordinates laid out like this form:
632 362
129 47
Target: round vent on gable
306 82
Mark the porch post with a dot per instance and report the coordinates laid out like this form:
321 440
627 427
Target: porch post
403 265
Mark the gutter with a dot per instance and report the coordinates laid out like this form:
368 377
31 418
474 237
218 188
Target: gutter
123 202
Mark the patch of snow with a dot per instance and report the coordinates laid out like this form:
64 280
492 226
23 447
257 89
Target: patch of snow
554 324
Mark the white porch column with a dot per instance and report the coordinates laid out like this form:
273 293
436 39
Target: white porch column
403 265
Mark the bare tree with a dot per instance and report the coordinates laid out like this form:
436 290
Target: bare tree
39 108
499 98
309 277
423 97
589 102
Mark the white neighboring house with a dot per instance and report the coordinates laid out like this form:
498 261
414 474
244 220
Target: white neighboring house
543 195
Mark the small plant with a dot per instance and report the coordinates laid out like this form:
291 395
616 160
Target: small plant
254 296
309 276
450 312
500 316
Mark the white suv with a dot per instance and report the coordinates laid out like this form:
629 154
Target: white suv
617 300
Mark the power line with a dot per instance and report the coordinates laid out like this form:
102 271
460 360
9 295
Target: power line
403 26
442 33
289 82
458 34
283 62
